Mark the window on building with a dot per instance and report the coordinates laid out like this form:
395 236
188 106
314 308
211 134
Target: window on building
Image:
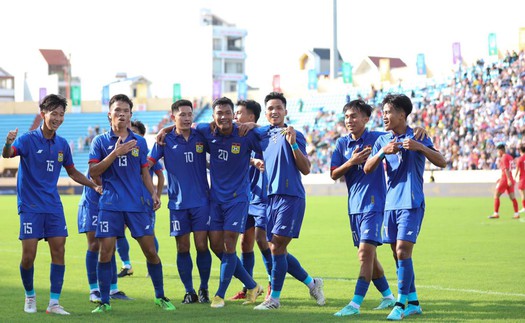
217 44
230 86
217 66
235 44
233 67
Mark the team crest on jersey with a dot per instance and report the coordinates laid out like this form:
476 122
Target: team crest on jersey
199 147
236 148
60 156
135 152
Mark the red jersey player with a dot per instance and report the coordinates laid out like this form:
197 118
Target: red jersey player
520 175
506 183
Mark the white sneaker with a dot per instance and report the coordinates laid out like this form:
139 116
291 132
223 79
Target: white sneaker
56 309
317 291
269 304
30 305
94 296
522 210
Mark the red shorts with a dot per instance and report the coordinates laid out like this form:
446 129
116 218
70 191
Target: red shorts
521 185
503 187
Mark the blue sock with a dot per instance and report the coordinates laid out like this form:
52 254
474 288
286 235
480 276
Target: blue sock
56 277
412 295
104 280
405 274
279 269
413 284
248 262
204 265
241 274
228 264
27 280
155 272
361 287
185 267
91 268
156 242
382 286
267 260
114 277
295 269
123 249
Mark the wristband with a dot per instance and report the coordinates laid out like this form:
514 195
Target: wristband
7 145
381 153
295 146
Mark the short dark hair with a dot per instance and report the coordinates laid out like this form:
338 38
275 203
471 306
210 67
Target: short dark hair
52 101
275 95
122 98
522 148
222 101
180 103
501 146
253 106
400 102
360 106
140 126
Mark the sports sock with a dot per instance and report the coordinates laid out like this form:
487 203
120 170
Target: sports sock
104 280
91 268
515 205
204 266
361 287
228 264
185 267
27 280
295 269
56 276
405 275
267 260
123 250
114 277
248 261
496 205
279 269
382 286
155 272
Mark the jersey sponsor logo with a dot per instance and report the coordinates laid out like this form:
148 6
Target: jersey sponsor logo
236 148
199 147
135 152
60 156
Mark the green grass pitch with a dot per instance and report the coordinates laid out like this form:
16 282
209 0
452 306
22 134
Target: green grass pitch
468 268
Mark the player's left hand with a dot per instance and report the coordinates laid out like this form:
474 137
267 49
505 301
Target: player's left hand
156 202
99 189
420 133
410 144
258 163
290 134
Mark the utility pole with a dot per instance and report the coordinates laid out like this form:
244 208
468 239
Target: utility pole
334 58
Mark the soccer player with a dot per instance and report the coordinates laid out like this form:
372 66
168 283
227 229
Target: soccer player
285 159
119 157
122 243
229 161
520 174
366 202
506 182
42 154
184 153
255 229
405 201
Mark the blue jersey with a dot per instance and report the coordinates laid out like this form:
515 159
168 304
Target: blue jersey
122 180
41 160
89 197
366 193
186 167
258 183
148 199
229 162
283 175
404 172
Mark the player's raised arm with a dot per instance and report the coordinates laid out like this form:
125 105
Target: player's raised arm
8 150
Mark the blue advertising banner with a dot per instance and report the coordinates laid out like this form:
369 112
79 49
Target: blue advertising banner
242 90
105 97
493 47
312 79
420 64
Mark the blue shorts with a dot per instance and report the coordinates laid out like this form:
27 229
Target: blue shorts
87 219
366 228
285 216
42 225
402 224
113 223
256 216
189 220
228 216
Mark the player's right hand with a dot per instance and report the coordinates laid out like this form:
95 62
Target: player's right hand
360 156
124 148
11 136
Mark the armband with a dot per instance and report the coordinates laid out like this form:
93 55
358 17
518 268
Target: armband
295 146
